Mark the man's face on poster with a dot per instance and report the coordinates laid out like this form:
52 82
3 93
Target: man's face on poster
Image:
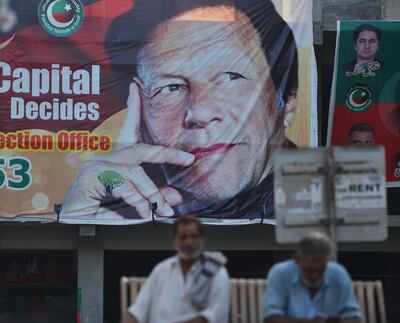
366 46
362 139
209 92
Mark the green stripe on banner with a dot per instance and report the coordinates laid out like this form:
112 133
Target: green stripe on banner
60 7
366 90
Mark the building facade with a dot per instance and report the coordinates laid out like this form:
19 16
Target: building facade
103 253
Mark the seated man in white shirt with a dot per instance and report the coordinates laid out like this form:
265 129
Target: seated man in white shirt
190 287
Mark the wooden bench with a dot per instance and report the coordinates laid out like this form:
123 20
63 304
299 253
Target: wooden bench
247 298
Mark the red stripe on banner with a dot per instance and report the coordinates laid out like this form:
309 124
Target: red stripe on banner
383 118
33 47
61 17
106 8
359 101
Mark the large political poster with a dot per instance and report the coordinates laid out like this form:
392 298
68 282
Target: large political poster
365 99
120 112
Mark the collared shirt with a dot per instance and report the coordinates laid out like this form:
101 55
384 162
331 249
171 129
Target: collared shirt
286 295
164 297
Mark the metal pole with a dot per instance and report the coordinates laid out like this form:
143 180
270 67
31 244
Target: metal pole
331 201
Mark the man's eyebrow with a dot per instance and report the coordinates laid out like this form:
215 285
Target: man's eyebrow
170 76
155 78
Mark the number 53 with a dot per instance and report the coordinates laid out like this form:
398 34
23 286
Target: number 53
21 176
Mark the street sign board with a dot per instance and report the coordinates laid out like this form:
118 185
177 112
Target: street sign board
316 189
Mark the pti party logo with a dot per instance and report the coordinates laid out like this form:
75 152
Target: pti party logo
358 98
61 18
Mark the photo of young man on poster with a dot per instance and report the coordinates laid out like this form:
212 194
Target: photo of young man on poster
367 40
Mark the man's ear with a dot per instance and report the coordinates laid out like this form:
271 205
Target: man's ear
290 109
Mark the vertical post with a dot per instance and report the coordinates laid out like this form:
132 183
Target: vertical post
90 275
330 163
317 21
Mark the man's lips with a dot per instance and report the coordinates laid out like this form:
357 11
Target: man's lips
202 152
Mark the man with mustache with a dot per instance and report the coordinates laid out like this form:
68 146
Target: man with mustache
191 287
214 88
310 288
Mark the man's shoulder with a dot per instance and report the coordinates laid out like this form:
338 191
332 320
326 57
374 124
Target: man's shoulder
337 273
222 273
336 268
165 264
213 262
284 268
286 264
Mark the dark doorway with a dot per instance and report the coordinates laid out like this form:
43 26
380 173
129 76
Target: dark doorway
38 286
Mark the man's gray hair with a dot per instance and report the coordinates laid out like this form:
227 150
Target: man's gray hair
315 244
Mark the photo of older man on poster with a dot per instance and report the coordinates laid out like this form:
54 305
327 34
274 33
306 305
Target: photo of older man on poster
213 86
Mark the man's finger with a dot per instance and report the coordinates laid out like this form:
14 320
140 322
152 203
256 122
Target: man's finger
172 196
81 202
144 153
130 131
150 191
131 196
160 155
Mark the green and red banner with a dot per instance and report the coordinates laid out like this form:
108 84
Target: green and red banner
365 99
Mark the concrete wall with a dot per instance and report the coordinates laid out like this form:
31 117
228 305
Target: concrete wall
333 10
328 12
391 9
150 237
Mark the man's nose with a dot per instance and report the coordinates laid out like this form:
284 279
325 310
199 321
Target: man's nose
202 110
189 243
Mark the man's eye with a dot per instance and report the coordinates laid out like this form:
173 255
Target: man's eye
168 89
231 76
